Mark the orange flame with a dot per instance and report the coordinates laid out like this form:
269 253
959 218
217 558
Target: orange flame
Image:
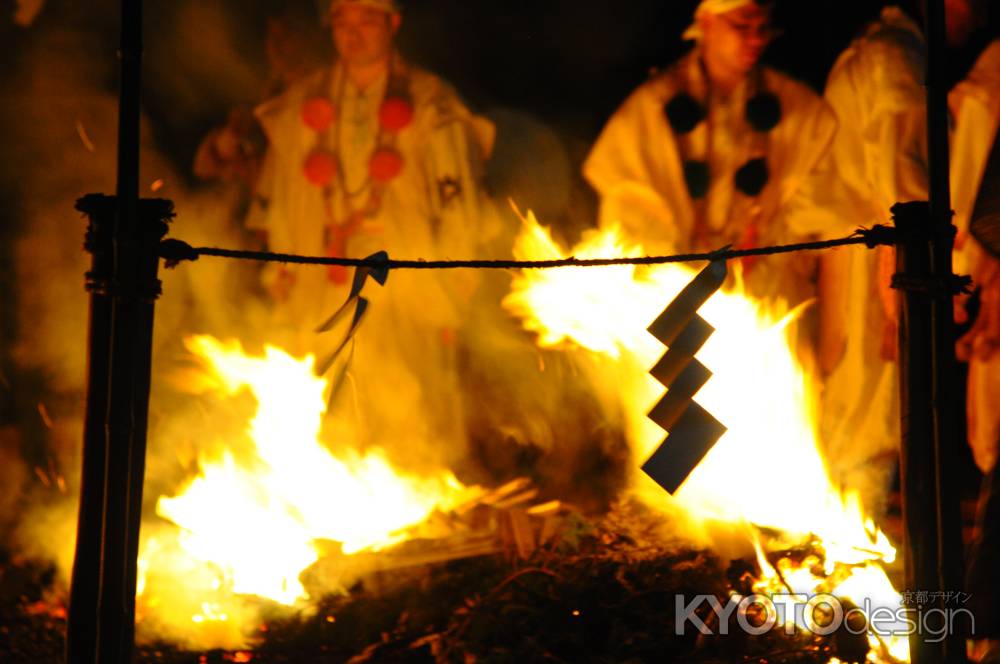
766 470
248 527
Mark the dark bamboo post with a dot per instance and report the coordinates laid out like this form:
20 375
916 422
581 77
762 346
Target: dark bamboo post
123 287
104 569
116 605
944 407
917 466
128 407
927 367
81 638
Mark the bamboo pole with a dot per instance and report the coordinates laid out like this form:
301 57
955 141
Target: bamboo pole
102 600
917 465
128 408
931 509
116 605
81 638
102 620
943 361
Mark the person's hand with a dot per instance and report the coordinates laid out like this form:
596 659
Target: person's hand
983 338
227 152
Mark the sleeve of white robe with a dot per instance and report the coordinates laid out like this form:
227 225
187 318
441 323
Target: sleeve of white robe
454 167
257 218
260 216
878 157
279 191
635 170
975 106
879 154
877 91
454 156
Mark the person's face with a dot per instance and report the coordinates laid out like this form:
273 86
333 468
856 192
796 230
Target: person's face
363 35
737 38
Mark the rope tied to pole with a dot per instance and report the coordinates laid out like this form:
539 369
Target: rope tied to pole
935 287
175 251
101 211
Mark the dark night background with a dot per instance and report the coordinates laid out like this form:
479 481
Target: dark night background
568 63
565 64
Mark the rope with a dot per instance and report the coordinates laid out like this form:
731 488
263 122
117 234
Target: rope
939 287
175 251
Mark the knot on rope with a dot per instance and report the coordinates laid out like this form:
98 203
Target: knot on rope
878 235
174 251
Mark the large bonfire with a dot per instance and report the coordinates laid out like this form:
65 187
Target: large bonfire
249 524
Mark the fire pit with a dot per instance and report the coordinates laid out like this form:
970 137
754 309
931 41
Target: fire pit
278 545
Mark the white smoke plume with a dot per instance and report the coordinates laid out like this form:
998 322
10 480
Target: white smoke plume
531 411
59 123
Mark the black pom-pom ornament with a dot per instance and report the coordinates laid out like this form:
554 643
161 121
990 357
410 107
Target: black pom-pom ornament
752 176
764 111
684 113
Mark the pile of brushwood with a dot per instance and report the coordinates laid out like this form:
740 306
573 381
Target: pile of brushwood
606 591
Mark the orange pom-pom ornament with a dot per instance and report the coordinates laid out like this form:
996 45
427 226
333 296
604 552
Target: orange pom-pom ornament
320 168
395 114
385 165
318 113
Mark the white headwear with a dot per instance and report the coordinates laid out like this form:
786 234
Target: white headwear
693 31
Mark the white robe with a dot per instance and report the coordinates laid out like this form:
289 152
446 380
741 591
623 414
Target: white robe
636 166
402 386
443 142
975 106
878 158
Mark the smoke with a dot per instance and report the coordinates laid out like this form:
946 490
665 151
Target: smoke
529 411
13 477
201 58
60 144
537 412
58 111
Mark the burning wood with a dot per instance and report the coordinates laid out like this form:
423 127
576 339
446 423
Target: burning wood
759 392
425 566
599 587
502 521
285 516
